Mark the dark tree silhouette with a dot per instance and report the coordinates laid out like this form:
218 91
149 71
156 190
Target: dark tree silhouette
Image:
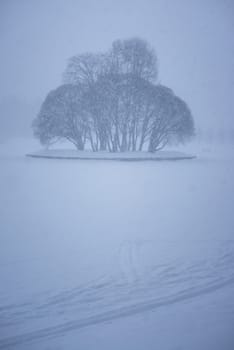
112 101
62 116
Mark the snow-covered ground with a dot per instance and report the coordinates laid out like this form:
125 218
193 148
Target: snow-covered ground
116 255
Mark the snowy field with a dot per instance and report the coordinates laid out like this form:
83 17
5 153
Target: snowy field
116 255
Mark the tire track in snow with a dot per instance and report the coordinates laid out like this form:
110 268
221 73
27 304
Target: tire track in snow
137 289
56 331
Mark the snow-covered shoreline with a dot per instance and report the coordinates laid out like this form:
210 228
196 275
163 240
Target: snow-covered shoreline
124 156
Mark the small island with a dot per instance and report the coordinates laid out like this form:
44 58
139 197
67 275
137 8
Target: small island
103 155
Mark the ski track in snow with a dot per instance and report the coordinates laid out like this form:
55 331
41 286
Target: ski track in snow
135 287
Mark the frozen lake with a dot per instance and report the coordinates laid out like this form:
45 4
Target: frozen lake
116 255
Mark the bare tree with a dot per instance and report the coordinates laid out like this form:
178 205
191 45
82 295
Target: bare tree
112 102
171 120
84 69
135 57
62 116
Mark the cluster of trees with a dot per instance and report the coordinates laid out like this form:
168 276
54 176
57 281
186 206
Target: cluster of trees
112 102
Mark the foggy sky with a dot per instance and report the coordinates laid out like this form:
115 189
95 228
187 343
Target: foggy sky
193 40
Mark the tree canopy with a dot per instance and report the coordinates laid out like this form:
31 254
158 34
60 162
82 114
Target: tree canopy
111 101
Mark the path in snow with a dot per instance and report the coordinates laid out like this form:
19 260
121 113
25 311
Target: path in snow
144 280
